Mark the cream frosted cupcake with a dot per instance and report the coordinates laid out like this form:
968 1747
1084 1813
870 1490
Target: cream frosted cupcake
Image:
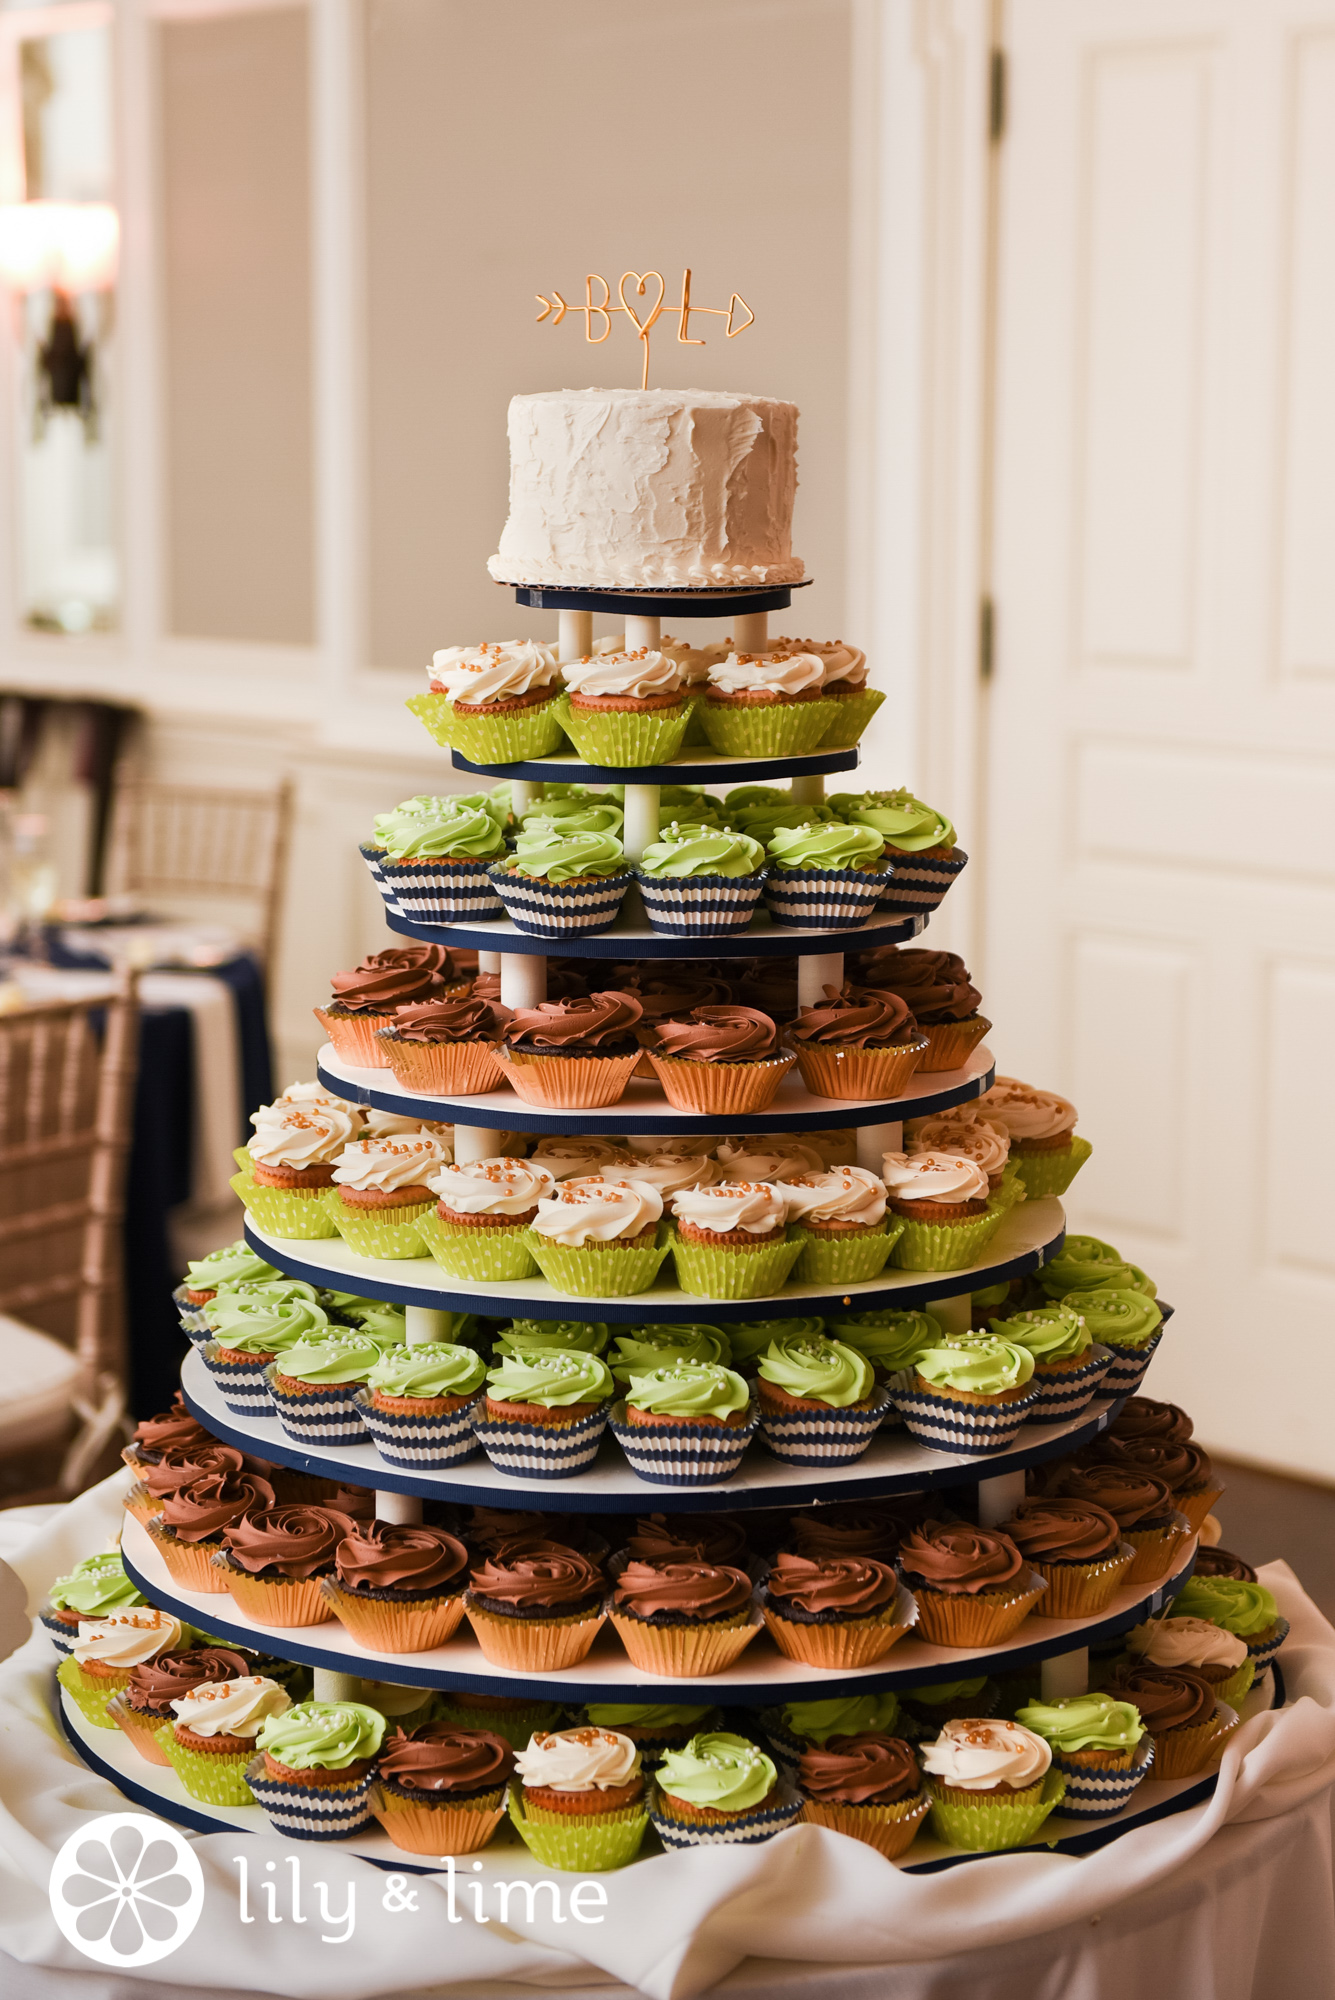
765 705
382 1186
991 1783
598 1236
761 1157
1239 1605
213 1737
573 1157
1041 1127
482 1215
842 1213
580 1803
818 1400
625 708
288 1167
102 1658
945 1201
496 702
1220 1657
961 1130
731 1240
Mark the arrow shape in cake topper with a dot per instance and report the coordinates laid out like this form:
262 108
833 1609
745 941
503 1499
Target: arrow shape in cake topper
600 310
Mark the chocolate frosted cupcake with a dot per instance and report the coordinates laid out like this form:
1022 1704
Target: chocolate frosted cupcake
273 1562
867 1786
188 1531
536 1606
683 1619
1141 1417
973 1586
838 1612
572 1054
1077 1549
708 1538
143 1708
1184 1468
368 998
936 988
170 1430
1179 1707
398 1589
857 1048
1142 1507
719 1060
1219 1561
848 1531
446 1047
177 1468
441 1790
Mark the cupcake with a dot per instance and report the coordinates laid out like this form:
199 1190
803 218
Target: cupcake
656 1346
749 1339
211 1740
555 1336
587 811
314 1767
761 1157
856 1048
818 1401
936 988
94 1588
700 879
536 1607
841 1212
730 1240
556 882
313 1387
419 1402
1088 1264
572 1054
868 1786
246 1334
382 1185
765 705
968 1394
1128 1324
991 1784
545 1413
685 1423
1077 1549
188 1531
625 708
961 1130
682 1619
1044 1147
429 860
175 1469
441 1790
1068 1368
799 1726
1180 1709
824 876
838 1612
1184 1468
846 1529
164 1432
709 1538
398 1589
495 1528
946 1202
368 997
580 1803
1096 1745
496 703
570 1158
719 1790
973 1586
598 1236
719 1061
890 1339
652 1727
845 684
1217 1655
1235 1602
447 1047
290 1168
1143 1417
105 1651
479 1230
234 1265
920 847
514 1718
142 1711
1219 1561
1142 1507
938 1702
273 1563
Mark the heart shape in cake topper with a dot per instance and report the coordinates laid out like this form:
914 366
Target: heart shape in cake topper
598 308
642 325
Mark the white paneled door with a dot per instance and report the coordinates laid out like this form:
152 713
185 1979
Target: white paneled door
1161 777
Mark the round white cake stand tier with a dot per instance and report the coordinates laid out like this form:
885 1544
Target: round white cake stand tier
1032 1232
762 1676
893 1463
697 766
643 1107
110 1753
628 939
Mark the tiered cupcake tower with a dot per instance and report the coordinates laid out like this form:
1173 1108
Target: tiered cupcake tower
895 1463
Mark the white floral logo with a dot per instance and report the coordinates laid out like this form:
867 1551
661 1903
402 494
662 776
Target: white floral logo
126 1890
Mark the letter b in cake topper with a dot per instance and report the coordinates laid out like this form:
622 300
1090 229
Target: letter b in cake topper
598 311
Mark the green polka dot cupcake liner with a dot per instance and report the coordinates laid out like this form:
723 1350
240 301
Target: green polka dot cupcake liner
779 729
378 1232
946 1246
580 1843
852 713
283 1212
218 1777
598 1270
710 1273
847 1260
481 1256
1048 1175
989 1823
618 739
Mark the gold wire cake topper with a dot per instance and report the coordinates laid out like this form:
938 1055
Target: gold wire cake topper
601 310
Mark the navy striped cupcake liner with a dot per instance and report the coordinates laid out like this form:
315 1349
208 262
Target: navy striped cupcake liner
546 909
823 899
541 1451
682 1454
425 1443
310 1812
918 882
1064 1393
1128 1365
191 1317
746 1830
939 1420
62 1636
435 891
318 1419
1264 1651
830 1437
243 1386
698 905
1094 1792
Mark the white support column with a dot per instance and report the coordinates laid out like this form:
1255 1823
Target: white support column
474 1142
750 632
524 792
815 972
644 632
425 1323
998 1498
330 1686
642 820
576 635
488 961
808 788
955 1314
523 978
403 1509
1066 1673
876 1140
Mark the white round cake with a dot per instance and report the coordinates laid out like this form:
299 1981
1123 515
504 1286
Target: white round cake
650 489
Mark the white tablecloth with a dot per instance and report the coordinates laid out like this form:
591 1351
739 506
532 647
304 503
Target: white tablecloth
1229 1901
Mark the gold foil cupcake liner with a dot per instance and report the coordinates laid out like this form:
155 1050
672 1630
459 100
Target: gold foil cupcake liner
450 1826
859 1073
189 1563
1196 1506
1182 1753
951 1043
1080 1590
721 1090
141 1503
1157 1549
535 1645
684 1652
276 1601
987 1619
858 1642
890 1829
382 1626
443 1069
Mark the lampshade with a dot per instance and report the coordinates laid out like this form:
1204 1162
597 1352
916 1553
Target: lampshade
70 246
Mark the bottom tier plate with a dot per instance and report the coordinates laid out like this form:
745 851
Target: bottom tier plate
113 1756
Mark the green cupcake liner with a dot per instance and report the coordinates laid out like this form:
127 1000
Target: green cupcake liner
371 1234
433 712
624 737
580 1845
482 1255
1011 1190
709 1273
91 1694
834 1260
946 1246
1237 1687
507 739
852 713
217 1777
597 1270
278 1213
785 730
995 1823
695 728
1050 1174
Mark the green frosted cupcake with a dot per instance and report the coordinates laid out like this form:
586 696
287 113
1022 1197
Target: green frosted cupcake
819 1401
94 1587
553 1336
890 1339
1116 1318
792 1729
655 1346
557 881
545 1414
225 1270
718 1790
750 1338
1087 1264
697 879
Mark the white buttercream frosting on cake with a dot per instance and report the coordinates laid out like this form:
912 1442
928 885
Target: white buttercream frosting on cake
634 489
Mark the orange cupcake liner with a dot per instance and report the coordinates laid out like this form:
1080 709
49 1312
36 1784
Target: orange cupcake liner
142 1730
720 1089
1079 1590
683 1652
385 1627
1156 1550
444 1069
189 1563
951 1043
837 1647
277 1600
141 1503
354 1036
890 1829
988 1619
567 1083
460 1827
859 1073
537 1645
